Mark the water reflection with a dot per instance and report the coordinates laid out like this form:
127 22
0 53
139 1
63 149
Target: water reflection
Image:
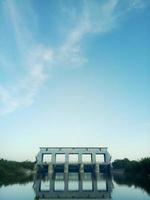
17 180
73 182
143 183
73 185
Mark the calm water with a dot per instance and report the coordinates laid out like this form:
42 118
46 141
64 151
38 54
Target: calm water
77 187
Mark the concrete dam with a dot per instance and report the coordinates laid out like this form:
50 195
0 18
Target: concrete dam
73 159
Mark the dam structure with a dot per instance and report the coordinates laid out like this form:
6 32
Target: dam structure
73 159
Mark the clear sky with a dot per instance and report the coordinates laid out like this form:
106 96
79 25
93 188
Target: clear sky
74 73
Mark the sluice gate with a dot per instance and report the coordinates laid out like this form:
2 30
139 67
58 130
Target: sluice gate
73 159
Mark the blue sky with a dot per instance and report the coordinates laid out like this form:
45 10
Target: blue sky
74 73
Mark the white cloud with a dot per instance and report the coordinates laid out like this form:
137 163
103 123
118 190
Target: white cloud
7 102
38 60
138 4
22 94
35 61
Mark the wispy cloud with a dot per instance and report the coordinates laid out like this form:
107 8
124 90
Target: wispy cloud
95 18
38 60
23 92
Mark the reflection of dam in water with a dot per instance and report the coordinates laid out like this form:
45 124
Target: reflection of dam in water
73 185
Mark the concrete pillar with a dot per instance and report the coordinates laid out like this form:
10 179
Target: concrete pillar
94 183
66 168
37 185
39 158
109 184
66 182
50 169
80 182
93 158
107 157
80 158
53 158
67 157
36 169
81 168
52 183
66 162
97 168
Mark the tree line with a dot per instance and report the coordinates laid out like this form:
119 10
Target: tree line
139 168
12 170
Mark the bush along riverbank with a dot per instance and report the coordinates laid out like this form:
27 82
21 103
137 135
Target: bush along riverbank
13 172
138 169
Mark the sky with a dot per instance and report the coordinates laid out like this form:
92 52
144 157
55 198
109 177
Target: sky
74 73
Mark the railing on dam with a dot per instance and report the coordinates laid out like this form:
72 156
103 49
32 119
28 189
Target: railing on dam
65 159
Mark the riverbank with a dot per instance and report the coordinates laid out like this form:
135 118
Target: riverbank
13 172
137 173
138 169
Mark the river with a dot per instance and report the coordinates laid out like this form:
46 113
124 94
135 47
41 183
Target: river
74 186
